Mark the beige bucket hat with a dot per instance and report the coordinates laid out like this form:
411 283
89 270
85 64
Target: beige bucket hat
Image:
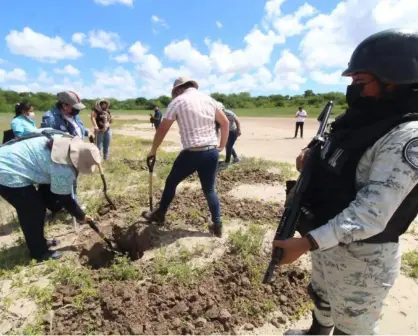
74 151
183 80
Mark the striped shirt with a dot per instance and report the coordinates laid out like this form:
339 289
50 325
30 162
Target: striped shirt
195 115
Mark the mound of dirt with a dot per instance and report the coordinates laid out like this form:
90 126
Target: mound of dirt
221 301
228 179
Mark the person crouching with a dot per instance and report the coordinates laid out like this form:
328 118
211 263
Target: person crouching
53 163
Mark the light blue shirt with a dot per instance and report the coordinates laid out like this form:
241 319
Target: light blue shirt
29 162
22 125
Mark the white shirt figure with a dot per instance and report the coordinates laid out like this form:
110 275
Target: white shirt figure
301 115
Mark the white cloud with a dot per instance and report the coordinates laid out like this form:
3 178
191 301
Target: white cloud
257 52
78 38
2 61
219 24
17 74
40 47
128 3
332 78
158 23
105 40
273 8
2 75
288 62
291 25
68 70
123 58
44 78
32 87
183 51
288 73
156 19
331 38
137 50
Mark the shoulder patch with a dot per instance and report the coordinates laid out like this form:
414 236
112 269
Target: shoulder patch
410 152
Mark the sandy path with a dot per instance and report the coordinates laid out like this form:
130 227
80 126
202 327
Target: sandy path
271 138
268 138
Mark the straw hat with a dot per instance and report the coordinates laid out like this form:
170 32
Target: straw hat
74 151
183 80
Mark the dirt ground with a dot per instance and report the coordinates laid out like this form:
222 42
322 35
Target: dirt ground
152 293
272 138
266 138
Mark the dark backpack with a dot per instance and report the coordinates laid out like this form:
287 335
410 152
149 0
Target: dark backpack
8 135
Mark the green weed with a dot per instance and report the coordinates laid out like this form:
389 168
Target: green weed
121 269
247 242
410 263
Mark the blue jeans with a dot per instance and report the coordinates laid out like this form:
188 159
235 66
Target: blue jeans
103 141
186 163
233 136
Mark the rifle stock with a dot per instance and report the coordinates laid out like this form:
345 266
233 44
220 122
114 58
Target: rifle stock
287 225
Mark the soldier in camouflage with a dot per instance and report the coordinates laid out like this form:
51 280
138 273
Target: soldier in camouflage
363 192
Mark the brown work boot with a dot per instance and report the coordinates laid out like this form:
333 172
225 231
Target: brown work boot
155 216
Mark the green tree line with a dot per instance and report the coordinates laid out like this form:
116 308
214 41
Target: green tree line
44 101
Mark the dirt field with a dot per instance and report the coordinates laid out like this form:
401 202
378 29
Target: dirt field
266 138
176 279
272 139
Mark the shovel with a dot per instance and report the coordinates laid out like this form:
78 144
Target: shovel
108 199
150 164
95 228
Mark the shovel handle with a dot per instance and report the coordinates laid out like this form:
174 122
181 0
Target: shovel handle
150 163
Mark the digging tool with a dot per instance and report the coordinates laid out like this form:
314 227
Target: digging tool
108 199
150 164
95 228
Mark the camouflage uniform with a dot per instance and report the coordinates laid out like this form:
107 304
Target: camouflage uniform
350 277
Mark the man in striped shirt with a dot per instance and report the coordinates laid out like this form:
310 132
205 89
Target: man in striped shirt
195 113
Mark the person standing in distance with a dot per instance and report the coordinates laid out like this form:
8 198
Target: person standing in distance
195 113
157 117
300 120
363 193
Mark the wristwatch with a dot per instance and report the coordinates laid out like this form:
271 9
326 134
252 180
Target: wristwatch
312 241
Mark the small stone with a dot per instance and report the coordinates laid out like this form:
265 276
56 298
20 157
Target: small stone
202 290
180 308
209 303
176 322
245 282
212 313
200 322
283 298
248 326
224 315
136 329
268 290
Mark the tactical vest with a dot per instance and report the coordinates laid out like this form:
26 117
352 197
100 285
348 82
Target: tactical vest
333 188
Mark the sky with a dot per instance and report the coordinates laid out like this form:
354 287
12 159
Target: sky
137 48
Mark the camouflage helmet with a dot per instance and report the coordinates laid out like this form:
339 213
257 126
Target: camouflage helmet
391 55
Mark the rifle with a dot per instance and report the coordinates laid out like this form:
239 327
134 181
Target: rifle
287 224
